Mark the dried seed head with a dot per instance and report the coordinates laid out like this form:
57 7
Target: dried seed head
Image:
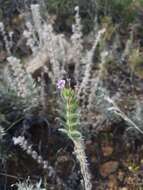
34 155
45 164
40 160
29 150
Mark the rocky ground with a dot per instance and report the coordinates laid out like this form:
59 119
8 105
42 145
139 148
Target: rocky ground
115 159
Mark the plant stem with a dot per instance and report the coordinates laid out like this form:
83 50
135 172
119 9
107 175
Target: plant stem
81 156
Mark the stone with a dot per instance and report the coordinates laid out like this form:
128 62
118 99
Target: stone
108 168
113 184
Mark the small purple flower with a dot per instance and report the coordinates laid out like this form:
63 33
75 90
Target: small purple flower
61 84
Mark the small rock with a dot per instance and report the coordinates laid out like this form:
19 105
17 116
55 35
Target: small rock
112 184
108 168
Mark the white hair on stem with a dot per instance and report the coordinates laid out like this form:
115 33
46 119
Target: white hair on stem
21 82
79 151
32 40
76 40
7 44
97 79
89 62
25 146
35 9
114 108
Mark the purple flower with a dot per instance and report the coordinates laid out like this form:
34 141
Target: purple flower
61 84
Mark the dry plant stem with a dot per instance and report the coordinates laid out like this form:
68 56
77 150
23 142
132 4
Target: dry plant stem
89 63
7 44
38 61
35 9
11 176
51 48
98 79
23 143
2 132
43 93
119 112
80 154
77 41
128 47
21 83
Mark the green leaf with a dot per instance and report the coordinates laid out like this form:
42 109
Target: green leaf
63 123
67 93
75 134
73 117
74 125
63 131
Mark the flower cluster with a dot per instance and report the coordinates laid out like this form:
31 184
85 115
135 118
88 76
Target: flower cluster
61 84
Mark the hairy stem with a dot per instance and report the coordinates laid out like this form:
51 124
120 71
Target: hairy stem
81 156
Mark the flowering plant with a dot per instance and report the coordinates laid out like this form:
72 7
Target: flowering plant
71 121
70 113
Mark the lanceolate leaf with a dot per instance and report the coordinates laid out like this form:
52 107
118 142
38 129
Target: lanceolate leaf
75 134
69 113
64 131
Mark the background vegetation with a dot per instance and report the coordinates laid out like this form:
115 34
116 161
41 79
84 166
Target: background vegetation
96 48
